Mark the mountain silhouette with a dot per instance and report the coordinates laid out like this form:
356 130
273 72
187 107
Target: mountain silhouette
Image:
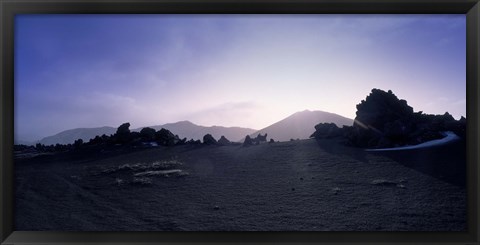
301 125
184 129
69 136
189 130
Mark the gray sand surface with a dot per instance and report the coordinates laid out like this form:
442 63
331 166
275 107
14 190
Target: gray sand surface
289 186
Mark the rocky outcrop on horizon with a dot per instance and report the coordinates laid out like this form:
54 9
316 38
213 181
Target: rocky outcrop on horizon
248 141
224 141
326 130
209 140
383 120
185 129
196 132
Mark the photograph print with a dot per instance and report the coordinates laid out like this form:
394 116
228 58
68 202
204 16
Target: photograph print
240 122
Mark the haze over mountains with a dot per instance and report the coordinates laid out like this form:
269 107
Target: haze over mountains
299 125
69 136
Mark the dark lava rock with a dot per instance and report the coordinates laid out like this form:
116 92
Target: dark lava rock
248 141
209 140
165 137
326 130
194 142
383 120
379 108
223 141
147 134
260 138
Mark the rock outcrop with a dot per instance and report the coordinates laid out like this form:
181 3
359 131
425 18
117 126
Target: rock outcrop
383 120
209 140
224 141
326 130
165 137
248 141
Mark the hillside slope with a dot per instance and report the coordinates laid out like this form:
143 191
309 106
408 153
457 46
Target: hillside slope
69 136
301 125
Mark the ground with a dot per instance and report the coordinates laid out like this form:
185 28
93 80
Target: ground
304 185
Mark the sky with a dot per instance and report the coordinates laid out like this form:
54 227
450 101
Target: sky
81 71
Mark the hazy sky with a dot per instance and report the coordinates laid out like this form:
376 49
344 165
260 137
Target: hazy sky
232 70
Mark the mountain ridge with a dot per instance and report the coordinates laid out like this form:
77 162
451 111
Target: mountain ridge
189 130
184 129
299 125
70 135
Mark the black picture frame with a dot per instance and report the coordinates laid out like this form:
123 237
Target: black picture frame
9 8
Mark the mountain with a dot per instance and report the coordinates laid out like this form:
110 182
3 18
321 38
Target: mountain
301 125
69 136
297 126
184 129
189 130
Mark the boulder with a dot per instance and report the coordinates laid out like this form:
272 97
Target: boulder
147 134
165 137
248 141
209 140
194 142
224 141
123 134
326 130
379 108
383 120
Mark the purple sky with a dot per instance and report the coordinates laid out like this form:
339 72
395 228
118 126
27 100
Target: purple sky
232 70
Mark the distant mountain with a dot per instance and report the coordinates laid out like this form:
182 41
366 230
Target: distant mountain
301 125
69 136
189 130
184 129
